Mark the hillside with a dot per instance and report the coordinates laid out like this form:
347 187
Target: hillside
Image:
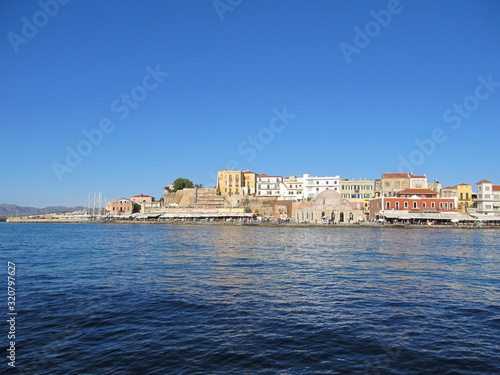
11 209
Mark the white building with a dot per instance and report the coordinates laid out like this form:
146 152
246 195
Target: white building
268 186
315 185
292 188
418 182
488 198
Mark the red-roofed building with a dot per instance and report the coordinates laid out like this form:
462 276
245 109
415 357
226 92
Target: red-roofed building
413 201
391 183
142 198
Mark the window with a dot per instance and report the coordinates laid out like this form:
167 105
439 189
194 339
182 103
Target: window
461 196
441 205
424 205
433 204
397 205
406 204
414 204
467 196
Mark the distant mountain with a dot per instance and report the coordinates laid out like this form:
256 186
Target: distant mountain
11 209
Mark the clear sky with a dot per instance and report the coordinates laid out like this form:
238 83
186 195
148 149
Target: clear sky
123 97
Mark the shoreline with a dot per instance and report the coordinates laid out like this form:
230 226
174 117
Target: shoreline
253 224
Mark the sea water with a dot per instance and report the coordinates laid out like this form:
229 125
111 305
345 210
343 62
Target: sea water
232 299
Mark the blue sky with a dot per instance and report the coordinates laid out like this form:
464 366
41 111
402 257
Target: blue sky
186 88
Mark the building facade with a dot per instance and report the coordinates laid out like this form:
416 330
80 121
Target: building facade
488 198
283 210
464 195
230 182
292 188
413 201
142 198
358 191
314 185
268 186
328 207
391 183
249 183
119 206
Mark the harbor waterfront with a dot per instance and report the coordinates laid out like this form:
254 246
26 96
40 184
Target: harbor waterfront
217 299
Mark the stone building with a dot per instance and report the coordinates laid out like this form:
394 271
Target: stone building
329 206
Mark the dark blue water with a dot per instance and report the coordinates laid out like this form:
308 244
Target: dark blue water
190 299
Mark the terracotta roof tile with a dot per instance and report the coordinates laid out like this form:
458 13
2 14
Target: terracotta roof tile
484 181
416 191
395 175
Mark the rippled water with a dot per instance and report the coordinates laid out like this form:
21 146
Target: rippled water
192 299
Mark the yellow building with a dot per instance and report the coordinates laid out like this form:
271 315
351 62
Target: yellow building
230 182
358 191
250 182
464 195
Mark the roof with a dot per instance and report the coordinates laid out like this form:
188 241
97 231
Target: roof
249 172
449 187
496 187
142 195
424 176
462 184
395 175
484 182
417 191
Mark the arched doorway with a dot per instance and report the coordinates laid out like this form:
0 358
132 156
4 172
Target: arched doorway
341 220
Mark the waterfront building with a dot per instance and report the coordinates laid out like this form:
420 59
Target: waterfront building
142 198
230 182
418 182
488 198
119 206
448 192
283 210
292 188
268 186
464 195
328 207
358 191
412 201
153 206
391 183
314 185
249 183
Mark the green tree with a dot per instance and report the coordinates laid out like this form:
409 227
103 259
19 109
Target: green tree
182 183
